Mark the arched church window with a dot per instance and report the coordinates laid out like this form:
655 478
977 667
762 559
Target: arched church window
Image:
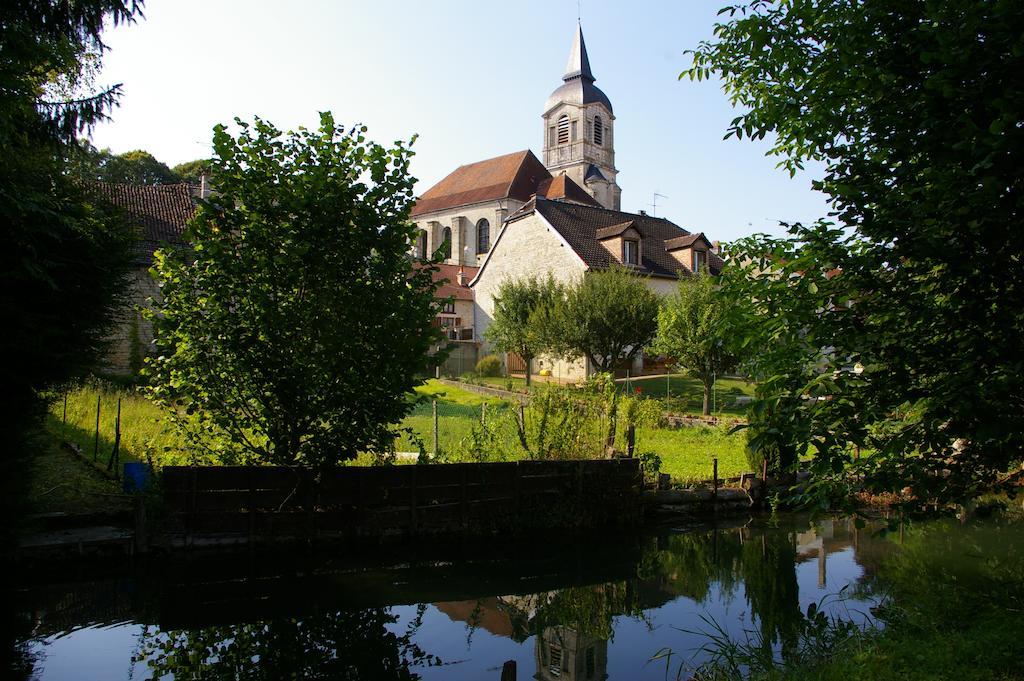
421 244
598 131
483 236
563 129
446 245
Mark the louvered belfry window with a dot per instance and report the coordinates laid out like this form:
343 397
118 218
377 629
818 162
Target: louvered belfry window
598 131
563 129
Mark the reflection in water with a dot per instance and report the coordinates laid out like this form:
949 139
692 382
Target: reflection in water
558 614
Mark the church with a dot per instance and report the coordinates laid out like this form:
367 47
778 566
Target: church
518 215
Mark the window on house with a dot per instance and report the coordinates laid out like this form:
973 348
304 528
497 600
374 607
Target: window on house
446 245
483 236
598 131
589 662
563 129
630 252
552 136
448 308
700 259
572 131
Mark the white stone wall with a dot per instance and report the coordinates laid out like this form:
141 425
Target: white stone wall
529 248
142 287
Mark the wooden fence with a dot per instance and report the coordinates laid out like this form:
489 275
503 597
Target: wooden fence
259 503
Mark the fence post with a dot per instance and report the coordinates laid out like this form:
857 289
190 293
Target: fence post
96 440
714 488
112 463
483 413
65 408
434 406
630 440
508 671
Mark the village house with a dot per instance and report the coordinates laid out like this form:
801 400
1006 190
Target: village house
514 216
160 212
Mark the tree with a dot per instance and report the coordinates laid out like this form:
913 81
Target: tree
913 350
607 317
63 255
192 171
295 327
523 311
88 163
692 331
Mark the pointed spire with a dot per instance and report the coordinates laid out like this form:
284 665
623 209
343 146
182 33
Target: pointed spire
578 65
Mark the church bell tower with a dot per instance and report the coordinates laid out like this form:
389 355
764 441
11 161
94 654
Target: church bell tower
579 130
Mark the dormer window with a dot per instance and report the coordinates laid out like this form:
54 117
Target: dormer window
563 129
630 252
700 260
598 131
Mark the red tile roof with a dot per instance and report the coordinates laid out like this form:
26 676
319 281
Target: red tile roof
161 212
513 176
450 275
563 188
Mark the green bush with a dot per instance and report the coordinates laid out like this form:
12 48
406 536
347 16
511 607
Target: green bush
489 365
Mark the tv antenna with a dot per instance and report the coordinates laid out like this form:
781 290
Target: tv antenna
654 204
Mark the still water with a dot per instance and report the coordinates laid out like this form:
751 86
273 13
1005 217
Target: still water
561 606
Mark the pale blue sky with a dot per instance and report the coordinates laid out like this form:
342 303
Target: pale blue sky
470 77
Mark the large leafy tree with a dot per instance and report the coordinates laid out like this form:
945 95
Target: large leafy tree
523 311
88 163
693 332
607 317
296 325
900 329
192 171
63 257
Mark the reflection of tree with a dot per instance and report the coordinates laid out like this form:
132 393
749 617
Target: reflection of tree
690 563
769 577
349 646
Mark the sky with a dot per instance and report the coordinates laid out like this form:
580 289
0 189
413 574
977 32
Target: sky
470 78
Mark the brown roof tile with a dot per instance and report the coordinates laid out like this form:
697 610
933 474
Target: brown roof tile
579 226
513 176
563 188
449 274
161 212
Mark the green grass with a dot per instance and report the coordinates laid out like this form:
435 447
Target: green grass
685 395
686 453
61 483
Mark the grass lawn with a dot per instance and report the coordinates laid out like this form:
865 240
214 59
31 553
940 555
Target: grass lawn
686 453
685 395
61 483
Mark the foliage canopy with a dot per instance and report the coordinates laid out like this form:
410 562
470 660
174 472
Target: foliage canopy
913 350
296 325
608 317
522 320
692 331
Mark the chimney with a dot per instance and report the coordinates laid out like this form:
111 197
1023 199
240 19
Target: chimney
461 276
643 212
714 247
204 187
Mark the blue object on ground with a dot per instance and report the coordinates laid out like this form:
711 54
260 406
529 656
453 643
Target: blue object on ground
136 476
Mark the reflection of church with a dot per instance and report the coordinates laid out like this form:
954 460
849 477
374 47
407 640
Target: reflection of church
565 654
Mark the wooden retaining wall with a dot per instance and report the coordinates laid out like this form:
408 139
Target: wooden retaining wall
214 504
